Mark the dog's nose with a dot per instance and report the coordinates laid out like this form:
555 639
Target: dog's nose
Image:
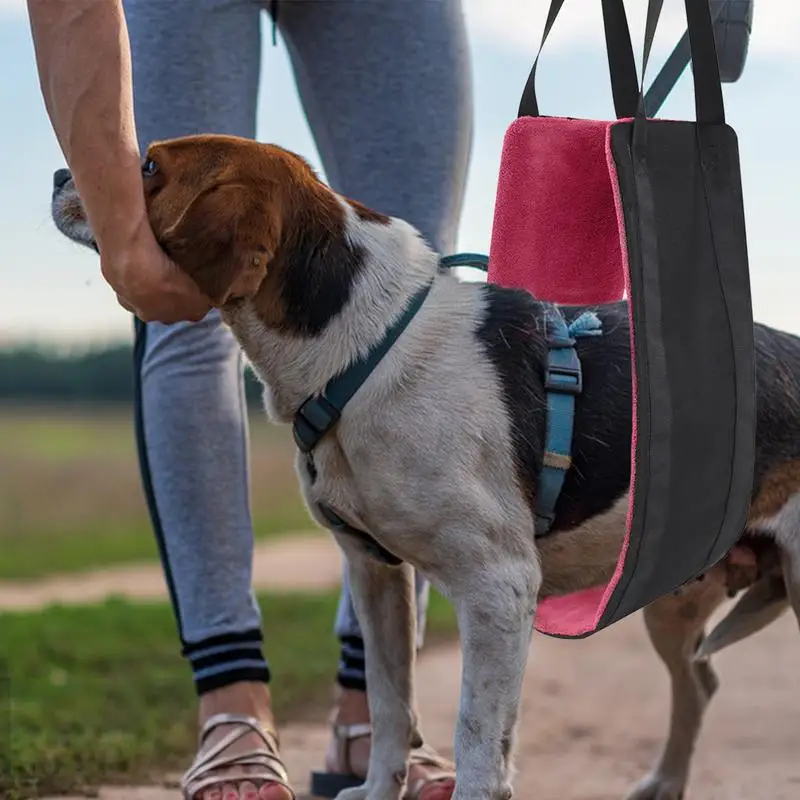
60 177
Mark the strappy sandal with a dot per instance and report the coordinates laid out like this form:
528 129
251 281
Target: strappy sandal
329 784
444 771
200 776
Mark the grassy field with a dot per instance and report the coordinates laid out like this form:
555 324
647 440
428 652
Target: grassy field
71 496
99 693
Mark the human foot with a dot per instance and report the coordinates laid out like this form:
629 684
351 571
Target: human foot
238 750
430 776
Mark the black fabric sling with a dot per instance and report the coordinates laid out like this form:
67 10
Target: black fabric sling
655 213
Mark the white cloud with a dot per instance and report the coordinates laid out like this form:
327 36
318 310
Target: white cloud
518 24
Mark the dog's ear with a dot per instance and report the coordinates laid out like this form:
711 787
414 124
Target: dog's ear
224 239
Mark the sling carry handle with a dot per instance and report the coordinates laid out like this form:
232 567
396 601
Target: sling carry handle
621 63
627 90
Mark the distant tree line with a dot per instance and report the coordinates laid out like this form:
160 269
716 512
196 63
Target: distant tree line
101 376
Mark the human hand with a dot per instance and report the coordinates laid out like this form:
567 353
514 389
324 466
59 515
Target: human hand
147 283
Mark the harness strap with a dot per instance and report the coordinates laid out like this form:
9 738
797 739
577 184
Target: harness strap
563 383
321 412
374 548
473 260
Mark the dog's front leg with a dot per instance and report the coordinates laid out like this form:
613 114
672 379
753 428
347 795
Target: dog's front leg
495 605
383 598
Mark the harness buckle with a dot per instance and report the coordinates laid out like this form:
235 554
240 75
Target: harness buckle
566 379
312 421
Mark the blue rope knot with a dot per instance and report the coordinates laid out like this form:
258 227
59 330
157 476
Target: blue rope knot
587 324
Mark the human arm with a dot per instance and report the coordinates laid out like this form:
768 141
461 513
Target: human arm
84 63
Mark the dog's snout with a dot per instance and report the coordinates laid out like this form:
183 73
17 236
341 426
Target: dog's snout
60 177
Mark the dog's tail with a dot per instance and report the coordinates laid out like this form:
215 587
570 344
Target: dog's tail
760 605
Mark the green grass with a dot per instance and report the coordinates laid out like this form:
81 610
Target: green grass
98 694
71 497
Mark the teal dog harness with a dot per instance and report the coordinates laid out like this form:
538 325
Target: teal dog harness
563 383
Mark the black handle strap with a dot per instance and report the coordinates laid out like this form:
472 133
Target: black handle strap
621 63
628 91
651 23
709 107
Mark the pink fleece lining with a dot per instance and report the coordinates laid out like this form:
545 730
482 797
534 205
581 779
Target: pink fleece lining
554 230
559 233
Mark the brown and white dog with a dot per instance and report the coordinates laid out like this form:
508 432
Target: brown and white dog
437 455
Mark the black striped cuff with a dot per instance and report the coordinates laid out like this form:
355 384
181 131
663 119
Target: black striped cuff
225 659
351 673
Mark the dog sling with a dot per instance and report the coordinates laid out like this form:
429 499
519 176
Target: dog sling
591 212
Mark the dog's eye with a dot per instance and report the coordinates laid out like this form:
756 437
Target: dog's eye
149 168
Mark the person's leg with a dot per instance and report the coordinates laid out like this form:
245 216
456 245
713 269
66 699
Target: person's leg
195 68
386 87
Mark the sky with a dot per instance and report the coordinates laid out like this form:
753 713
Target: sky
51 290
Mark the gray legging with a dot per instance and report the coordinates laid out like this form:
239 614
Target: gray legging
386 88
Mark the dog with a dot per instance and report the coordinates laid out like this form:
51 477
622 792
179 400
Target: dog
434 462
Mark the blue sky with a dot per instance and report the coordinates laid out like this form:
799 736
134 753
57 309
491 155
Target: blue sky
52 290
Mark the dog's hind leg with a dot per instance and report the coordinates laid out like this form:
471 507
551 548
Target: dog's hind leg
790 563
676 626
495 603
785 527
383 598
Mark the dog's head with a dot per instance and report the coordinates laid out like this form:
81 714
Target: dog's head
222 208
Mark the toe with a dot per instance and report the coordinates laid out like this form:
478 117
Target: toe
248 791
438 790
274 791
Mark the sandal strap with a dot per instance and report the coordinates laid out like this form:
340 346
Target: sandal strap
426 756
200 775
352 732
344 736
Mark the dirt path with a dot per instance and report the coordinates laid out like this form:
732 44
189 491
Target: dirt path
307 562
595 713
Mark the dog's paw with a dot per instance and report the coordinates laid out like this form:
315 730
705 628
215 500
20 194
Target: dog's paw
656 787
